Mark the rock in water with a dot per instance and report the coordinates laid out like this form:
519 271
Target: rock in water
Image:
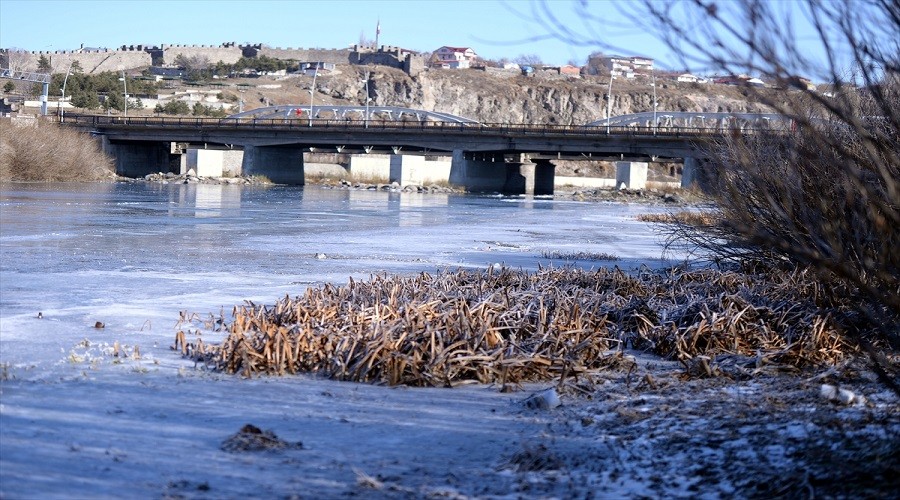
543 400
252 438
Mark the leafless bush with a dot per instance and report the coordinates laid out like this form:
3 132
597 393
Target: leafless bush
46 152
826 195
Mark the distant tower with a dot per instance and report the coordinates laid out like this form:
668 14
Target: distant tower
377 33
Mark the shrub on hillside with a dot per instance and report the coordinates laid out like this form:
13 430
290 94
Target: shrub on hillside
47 152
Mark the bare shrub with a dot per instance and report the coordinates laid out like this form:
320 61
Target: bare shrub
50 153
825 195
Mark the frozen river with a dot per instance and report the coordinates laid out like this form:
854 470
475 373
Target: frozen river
133 256
76 421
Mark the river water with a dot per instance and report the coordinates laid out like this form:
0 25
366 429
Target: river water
133 256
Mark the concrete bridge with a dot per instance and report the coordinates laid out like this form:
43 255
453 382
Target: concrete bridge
486 157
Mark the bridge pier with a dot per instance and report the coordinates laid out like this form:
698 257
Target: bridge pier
492 173
486 174
281 164
633 174
137 159
539 177
690 174
417 171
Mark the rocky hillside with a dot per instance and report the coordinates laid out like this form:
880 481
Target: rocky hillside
505 98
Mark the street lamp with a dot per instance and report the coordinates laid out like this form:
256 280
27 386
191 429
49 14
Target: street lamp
125 87
63 98
655 103
312 93
609 101
368 74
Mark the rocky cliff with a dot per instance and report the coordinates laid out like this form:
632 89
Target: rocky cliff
513 98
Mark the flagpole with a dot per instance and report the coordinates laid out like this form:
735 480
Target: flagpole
377 32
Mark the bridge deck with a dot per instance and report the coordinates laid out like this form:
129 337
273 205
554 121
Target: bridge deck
299 124
412 136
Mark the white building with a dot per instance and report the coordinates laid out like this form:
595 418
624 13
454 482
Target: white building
627 66
453 57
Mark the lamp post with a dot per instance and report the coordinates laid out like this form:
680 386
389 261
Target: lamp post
367 98
312 93
63 98
655 103
609 101
125 87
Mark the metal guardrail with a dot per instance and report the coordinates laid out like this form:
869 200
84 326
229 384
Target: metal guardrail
303 125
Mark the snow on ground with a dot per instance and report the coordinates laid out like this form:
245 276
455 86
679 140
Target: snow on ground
83 415
108 428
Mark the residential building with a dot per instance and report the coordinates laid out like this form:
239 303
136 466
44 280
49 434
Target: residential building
453 57
740 80
626 66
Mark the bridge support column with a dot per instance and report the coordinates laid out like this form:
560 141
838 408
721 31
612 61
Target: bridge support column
205 162
281 164
690 172
488 173
633 174
539 177
137 159
415 170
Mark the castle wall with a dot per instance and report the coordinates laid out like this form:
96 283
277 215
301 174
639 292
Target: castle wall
91 61
333 56
228 53
394 57
129 57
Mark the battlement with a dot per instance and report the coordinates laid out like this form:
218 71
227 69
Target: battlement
127 57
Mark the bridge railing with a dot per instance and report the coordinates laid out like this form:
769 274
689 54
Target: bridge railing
301 125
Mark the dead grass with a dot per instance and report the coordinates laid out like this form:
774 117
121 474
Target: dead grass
579 256
697 219
49 153
509 327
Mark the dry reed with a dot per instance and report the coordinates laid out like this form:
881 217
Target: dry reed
507 327
47 152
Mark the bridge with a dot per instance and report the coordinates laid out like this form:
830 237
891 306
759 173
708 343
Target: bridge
318 114
501 157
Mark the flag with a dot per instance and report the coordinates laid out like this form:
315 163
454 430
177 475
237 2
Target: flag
378 28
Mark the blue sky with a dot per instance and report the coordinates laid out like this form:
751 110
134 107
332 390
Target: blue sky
493 28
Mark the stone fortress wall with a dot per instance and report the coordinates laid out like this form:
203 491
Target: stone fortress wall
333 56
129 57
410 62
165 55
91 60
